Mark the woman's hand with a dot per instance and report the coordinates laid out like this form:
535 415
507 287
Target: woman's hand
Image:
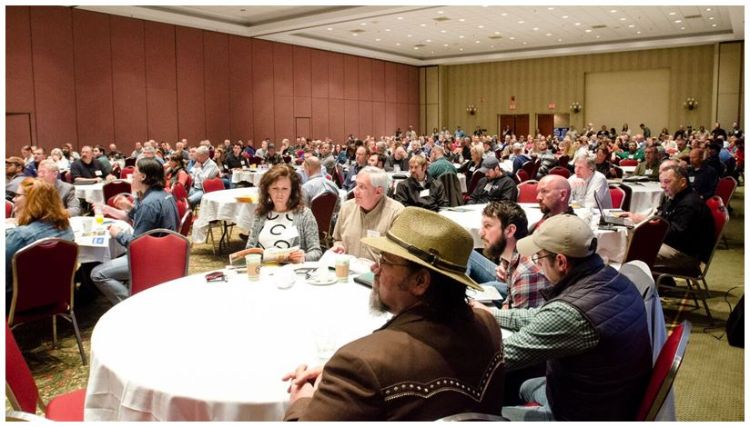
297 256
338 248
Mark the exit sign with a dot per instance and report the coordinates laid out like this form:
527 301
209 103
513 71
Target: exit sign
551 106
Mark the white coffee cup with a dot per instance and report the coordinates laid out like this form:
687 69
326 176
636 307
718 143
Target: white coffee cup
342 268
253 266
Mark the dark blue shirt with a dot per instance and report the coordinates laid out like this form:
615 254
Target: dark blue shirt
157 209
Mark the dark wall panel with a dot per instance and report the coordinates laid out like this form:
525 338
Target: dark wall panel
365 78
128 81
402 116
336 75
391 85
54 83
241 83
413 87
320 118
336 120
351 77
351 117
93 77
319 73
19 88
161 81
263 113
282 70
301 71
402 83
365 118
216 64
378 80
378 118
191 102
413 114
283 117
391 118
302 107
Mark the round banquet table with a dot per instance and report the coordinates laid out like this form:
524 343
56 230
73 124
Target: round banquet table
612 244
223 206
248 175
198 351
101 249
646 195
92 193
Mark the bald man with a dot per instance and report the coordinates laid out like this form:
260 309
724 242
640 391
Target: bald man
553 195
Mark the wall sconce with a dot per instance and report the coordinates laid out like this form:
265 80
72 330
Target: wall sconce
471 109
575 107
690 104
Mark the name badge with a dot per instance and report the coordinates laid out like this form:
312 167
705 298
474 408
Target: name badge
424 193
471 169
488 187
242 163
397 168
691 179
649 171
98 173
354 177
372 233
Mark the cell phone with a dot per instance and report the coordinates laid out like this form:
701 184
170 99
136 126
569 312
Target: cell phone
216 276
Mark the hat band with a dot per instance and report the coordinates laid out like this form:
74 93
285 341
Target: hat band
432 257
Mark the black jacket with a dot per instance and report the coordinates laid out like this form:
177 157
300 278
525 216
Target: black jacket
495 190
691 225
408 194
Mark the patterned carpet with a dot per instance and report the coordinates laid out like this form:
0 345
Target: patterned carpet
709 386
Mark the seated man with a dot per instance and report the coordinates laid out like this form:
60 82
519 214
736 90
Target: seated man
553 195
588 182
650 166
421 189
439 163
436 356
154 208
703 178
398 161
203 169
495 185
360 162
592 332
87 169
632 153
316 183
690 236
520 280
13 176
370 213
47 171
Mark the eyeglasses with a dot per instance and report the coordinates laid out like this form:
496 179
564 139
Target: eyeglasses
535 258
380 260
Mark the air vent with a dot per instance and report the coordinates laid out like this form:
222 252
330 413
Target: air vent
357 31
495 37
694 16
441 19
597 27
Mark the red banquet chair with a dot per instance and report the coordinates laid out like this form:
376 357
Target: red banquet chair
186 222
179 191
23 394
322 207
8 208
522 176
527 191
144 272
559 170
618 196
126 171
664 372
725 190
213 184
628 162
646 240
37 294
114 188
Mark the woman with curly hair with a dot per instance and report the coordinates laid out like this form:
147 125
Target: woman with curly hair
282 220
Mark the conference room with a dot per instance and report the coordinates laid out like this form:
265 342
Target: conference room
373 212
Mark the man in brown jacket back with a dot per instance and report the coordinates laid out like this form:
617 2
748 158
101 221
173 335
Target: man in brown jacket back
435 357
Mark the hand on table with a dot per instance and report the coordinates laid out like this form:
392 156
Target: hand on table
303 382
635 217
297 256
114 230
476 304
338 248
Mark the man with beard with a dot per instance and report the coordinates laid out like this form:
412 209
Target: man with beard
436 357
520 280
553 195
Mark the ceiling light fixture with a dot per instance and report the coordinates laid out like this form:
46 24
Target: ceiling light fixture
559 40
363 24
672 13
535 28
524 42
708 9
387 29
512 38
243 10
548 34
377 40
354 34
461 49
682 28
637 32
398 44
422 25
631 26
445 45
408 35
713 25
329 29
443 31
565 17
597 36
416 48
461 20
623 19
577 24
503 14
480 26
497 33
460 37
678 21
588 30
440 12
613 11
521 22
477 42
711 18
400 18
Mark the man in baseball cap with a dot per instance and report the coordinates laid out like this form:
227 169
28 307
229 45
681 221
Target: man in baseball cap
495 185
592 332
13 175
436 357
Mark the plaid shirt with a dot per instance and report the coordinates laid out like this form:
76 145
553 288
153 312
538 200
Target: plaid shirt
525 280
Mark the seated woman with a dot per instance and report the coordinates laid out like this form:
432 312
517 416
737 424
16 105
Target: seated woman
282 220
39 213
420 189
603 165
176 172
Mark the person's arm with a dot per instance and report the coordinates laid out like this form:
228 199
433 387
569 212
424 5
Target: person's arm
402 193
71 202
252 237
309 230
440 197
476 195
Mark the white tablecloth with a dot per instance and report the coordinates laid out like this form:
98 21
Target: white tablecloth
191 350
92 193
247 175
223 206
646 195
611 244
88 251
628 170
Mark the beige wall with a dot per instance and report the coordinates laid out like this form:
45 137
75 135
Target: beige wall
561 80
429 99
729 94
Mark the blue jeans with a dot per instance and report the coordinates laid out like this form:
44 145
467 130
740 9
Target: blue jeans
533 390
482 270
111 279
194 197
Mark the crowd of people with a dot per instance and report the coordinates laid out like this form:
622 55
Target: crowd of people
558 294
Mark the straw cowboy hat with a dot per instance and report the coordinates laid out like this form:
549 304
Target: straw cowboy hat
430 240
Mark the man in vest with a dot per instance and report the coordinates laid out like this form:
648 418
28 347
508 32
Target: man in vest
592 332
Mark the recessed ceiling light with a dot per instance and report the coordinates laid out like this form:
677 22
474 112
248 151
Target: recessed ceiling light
387 29
548 34
637 32
577 24
428 41
377 40
398 44
588 30
672 13
565 17
535 28
416 48
461 20
708 9
503 14
631 26
400 18
354 34
524 42
329 29
623 19
678 21
521 22
440 12
432 51
460 37
613 11
497 33
682 28
443 31
550 8
477 42
480 26
598 36
408 35
713 25
445 45
711 18
461 49
512 38
422 25
559 40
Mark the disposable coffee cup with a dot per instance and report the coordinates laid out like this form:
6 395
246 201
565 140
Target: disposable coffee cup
88 224
342 268
253 266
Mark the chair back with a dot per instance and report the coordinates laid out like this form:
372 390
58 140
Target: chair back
186 222
472 416
452 186
522 175
286 158
130 161
619 173
646 240
179 191
127 170
145 270
725 189
338 176
23 393
254 160
664 372
527 191
559 170
530 168
68 177
628 162
112 201
8 208
36 292
628 196
182 206
322 207
563 161
719 213
617 195
213 184
115 187
475 177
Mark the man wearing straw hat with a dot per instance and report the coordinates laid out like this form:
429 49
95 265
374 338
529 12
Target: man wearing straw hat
435 357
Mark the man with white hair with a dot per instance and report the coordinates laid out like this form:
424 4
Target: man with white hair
588 183
204 169
439 165
398 161
47 171
369 214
